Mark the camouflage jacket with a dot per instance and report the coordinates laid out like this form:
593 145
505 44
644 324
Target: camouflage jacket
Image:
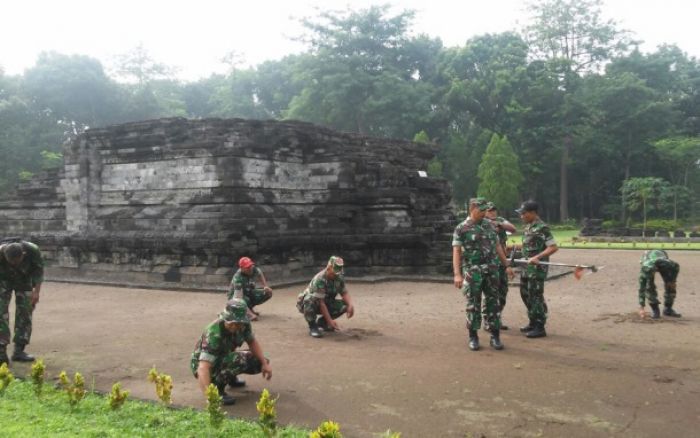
653 261
241 282
536 237
500 231
28 274
216 342
478 242
321 288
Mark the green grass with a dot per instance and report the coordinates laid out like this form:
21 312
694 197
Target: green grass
22 414
565 239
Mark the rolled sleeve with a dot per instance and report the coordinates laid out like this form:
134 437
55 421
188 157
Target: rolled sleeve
207 357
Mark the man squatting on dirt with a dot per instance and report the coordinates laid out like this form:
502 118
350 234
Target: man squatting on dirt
21 271
319 299
653 261
215 359
243 286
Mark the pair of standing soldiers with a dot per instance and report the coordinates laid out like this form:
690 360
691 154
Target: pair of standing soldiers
479 265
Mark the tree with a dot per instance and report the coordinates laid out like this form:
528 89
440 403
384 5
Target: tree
499 174
572 37
643 193
682 157
138 66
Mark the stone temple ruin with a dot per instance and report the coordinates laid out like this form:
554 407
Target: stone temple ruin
175 202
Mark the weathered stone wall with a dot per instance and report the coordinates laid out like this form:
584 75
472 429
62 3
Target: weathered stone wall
176 202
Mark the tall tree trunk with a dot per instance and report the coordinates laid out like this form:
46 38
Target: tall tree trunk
564 180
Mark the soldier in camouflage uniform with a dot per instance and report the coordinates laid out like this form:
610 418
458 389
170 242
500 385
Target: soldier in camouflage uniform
538 245
243 286
318 301
503 227
653 261
21 271
215 359
475 261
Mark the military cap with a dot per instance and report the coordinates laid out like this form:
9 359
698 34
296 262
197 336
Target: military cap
236 311
12 251
527 206
482 203
336 263
490 206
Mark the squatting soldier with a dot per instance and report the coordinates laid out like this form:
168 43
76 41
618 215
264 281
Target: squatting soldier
215 359
538 245
243 286
503 227
475 260
21 271
652 261
318 301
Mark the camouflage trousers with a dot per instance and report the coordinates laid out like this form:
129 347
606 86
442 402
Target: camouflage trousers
502 294
532 293
235 363
311 308
650 293
23 316
253 296
478 283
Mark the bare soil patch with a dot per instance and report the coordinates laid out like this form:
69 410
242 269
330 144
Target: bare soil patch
402 361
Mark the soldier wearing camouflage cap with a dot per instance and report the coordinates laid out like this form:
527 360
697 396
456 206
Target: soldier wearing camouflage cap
538 244
318 301
21 271
653 261
215 359
503 227
475 261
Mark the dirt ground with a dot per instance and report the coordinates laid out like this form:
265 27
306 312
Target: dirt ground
402 361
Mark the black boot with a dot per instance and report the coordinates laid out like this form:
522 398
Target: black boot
3 355
496 340
668 311
473 340
226 400
530 325
20 356
655 314
537 331
314 331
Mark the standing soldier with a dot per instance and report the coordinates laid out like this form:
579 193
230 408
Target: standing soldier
652 261
475 256
503 227
319 299
243 286
215 359
538 245
21 271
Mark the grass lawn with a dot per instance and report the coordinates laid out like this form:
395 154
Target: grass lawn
22 414
565 240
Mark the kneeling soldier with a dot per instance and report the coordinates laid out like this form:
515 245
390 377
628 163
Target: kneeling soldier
319 298
243 286
653 261
215 359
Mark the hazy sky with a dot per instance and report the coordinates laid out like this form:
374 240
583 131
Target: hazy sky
195 35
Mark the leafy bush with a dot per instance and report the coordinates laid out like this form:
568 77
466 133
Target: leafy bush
327 429
268 414
6 378
164 385
117 397
37 376
214 400
75 390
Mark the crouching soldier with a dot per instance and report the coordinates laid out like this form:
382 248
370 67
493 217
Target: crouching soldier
653 261
243 286
215 359
318 302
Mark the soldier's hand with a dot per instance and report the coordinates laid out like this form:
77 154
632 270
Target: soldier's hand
351 311
510 273
458 281
533 260
642 313
267 289
266 371
334 325
35 298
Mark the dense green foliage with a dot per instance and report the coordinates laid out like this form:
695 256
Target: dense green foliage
22 414
583 109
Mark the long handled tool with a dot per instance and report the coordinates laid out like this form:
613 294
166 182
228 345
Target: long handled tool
578 269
